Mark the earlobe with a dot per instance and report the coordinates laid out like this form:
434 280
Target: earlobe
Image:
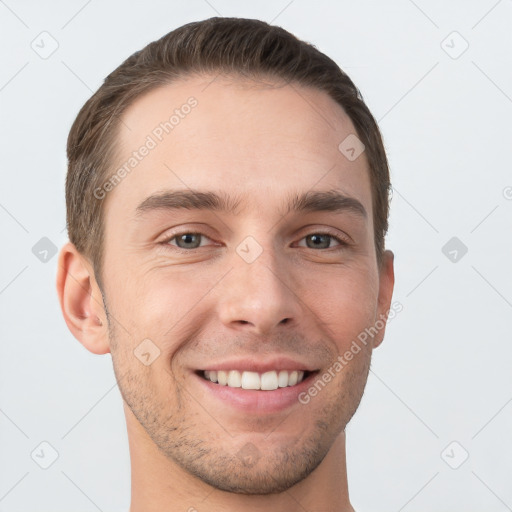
386 285
81 301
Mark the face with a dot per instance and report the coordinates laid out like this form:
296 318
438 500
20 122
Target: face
266 269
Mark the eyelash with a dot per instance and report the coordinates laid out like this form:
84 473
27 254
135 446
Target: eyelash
342 242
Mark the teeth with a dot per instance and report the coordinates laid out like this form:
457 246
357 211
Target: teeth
283 379
234 379
267 381
251 380
222 378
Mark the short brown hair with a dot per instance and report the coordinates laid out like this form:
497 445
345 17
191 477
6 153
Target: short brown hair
235 46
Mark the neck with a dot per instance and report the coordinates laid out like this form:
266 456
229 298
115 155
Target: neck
157 483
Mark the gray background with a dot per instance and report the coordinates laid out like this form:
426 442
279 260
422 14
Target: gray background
440 387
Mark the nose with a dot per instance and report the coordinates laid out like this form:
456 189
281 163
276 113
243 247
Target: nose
258 297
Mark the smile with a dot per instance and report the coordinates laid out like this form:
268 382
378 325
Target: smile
267 381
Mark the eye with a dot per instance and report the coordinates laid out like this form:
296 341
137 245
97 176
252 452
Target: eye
186 240
189 240
322 241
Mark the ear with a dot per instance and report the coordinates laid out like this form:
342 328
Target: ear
81 301
386 285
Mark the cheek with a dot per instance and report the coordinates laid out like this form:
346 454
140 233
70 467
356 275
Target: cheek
345 301
169 307
155 303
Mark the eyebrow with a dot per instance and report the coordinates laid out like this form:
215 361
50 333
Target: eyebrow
310 201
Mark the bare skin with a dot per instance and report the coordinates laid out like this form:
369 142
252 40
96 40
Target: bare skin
201 303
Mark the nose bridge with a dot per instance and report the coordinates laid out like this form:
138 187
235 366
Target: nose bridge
257 293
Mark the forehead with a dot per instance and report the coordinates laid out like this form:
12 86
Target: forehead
258 141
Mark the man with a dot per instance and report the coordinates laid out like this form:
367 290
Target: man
227 202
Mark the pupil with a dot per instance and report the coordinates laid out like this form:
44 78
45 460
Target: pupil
317 240
188 239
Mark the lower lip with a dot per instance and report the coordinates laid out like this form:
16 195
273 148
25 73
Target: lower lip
257 401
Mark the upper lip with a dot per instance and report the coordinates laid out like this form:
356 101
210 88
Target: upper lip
251 364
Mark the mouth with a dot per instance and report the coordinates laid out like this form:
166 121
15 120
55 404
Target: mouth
255 386
254 393
249 380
